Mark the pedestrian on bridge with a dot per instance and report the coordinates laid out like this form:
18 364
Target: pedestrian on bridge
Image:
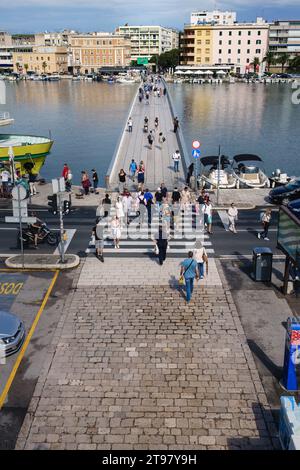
148 197
95 181
176 157
120 210
130 124
176 124
161 139
156 123
133 169
161 240
141 176
150 139
122 180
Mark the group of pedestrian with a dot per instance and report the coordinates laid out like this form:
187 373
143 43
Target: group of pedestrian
135 170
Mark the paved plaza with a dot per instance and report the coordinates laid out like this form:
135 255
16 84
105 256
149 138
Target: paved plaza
132 366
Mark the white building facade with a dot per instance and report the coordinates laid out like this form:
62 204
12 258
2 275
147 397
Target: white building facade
239 44
213 17
147 41
285 37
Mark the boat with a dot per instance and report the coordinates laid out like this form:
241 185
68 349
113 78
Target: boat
211 175
127 80
29 152
53 78
5 119
247 171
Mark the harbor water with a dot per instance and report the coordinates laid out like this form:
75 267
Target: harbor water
86 119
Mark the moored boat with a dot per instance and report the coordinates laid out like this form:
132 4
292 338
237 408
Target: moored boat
211 175
248 172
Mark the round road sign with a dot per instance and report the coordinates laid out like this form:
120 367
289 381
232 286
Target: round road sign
196 144
15 193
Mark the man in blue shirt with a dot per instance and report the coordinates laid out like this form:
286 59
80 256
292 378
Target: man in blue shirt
189 270
148 198
132 169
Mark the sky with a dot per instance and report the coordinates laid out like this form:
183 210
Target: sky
25 16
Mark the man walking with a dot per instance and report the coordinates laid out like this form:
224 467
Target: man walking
232 217
189 271
148 198
176 124
176 159
130 124
132 169
98 233
265 219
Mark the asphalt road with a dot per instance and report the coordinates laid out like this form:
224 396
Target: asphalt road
80 222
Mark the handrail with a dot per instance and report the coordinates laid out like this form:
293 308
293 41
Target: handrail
119 145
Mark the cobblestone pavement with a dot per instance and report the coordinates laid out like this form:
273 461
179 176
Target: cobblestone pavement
134 367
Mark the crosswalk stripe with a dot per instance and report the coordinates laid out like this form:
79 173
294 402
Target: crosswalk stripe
142 250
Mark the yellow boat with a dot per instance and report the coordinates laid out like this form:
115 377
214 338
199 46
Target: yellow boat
29 151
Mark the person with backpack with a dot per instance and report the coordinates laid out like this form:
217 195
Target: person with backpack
132 169
188 273
200 255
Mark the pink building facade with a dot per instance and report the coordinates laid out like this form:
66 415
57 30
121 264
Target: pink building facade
237 45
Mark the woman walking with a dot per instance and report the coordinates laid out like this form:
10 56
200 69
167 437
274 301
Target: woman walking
141 177
122 180
85 182
119 210
208 216
116 231
161 239
265 219
150 139
201 257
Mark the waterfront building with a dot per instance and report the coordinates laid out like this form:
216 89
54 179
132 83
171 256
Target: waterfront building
91 52
147 41
39 59
10 44
213 17
235 45
284 37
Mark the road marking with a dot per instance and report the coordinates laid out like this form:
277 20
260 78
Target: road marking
224 219
70 234
27 341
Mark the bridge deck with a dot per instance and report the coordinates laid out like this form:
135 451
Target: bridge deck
158 161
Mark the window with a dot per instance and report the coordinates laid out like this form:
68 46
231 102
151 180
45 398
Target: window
249 33
258 51
229 42
249 42
240 33
239 51
239 61
259 33
199 41
258 41
199 33
230 33
239 42
248 51
229 51
206 59
207 33
207 51
229 60
248 61
220 51
220 43
220 33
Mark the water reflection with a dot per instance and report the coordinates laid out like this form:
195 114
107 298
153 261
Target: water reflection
85 120
242 118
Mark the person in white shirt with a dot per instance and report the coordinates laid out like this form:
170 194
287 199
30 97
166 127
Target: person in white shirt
200 255
119 210
130 124
5 175
126 201
116 231
232 217
176 157
208 216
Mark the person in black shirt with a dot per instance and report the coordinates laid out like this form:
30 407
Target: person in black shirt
176 196
164 190
95 181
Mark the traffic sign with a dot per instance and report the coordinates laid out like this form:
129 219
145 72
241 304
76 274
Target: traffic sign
24 220
19 192
196 153
196 144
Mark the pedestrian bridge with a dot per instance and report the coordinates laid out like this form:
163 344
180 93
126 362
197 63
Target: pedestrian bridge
158 160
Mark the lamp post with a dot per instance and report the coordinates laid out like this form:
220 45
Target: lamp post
218 183
12 163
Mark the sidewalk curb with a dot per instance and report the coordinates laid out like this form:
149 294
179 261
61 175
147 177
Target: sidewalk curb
74 263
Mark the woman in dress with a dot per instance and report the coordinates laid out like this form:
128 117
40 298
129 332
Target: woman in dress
141 176
122 180
119 210
116 231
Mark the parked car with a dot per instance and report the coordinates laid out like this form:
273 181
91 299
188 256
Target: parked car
294 207
12 333
285 194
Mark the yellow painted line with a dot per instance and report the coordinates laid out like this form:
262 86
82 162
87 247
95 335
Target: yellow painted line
26 343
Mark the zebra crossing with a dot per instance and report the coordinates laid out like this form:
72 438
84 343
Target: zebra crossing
139 240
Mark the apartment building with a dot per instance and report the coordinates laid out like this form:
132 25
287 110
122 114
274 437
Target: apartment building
90 52
51 60
237 45
147 41
284 37
197 45
234 45
213 17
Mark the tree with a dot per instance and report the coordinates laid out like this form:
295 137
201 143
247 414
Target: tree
169 59
44 65
26 67
294 64
269 59
18 66
283 59
255 64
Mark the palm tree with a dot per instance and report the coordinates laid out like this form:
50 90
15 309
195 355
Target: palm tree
294 64
255 64
26 66
269 59
44 65
283 59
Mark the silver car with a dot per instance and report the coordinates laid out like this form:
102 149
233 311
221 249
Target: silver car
12 333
